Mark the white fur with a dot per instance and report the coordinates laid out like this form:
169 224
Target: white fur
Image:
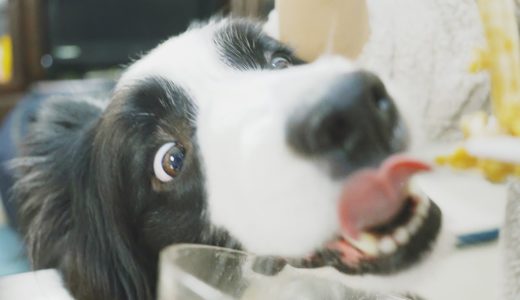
276 203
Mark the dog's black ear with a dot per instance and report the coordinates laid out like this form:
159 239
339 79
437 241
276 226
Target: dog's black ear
66 195
105 260
102 261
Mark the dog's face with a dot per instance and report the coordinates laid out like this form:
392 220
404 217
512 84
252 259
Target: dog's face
225 137
222 136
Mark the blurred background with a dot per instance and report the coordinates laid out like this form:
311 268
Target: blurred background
78 39
78 47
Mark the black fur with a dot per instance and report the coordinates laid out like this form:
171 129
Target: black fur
80 207
244 46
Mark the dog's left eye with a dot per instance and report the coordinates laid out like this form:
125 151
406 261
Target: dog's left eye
168 161
280 62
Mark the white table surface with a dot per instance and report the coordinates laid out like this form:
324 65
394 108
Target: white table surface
469 203
40 285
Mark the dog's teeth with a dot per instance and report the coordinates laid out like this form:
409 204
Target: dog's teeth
408 188
422 207
401 236
414 189
387 245
414 224
366 243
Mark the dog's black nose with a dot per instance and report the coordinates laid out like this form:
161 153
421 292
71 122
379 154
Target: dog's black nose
355 124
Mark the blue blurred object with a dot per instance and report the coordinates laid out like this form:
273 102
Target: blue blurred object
477 238
12 133
12 256
15 126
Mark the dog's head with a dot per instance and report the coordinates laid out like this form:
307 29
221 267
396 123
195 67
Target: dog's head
222 136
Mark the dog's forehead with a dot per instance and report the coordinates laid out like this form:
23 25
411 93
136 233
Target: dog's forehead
178 59
205 54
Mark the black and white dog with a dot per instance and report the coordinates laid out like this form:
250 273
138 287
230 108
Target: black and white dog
221 136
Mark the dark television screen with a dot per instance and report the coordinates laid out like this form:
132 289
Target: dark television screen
93 34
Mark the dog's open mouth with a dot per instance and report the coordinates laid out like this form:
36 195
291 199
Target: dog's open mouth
387 223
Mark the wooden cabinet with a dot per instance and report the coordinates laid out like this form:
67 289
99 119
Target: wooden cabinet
21 18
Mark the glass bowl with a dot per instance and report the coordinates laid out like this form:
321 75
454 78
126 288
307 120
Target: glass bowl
196 272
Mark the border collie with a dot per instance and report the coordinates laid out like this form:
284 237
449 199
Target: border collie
221 136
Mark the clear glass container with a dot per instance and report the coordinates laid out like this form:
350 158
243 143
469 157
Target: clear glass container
195 272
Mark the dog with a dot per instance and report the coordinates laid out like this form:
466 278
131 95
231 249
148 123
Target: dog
221 136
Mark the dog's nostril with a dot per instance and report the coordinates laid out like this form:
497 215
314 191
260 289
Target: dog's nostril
378 94
382 104
337 127
332 131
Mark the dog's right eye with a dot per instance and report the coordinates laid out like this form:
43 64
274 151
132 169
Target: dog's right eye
168 161
280 61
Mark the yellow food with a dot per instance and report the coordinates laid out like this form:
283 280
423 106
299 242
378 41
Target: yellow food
495 171
460 159
516 171
501 59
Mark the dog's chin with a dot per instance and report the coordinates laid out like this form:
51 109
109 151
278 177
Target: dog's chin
384 249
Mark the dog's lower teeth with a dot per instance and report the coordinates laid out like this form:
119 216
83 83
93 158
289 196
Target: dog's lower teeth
401 236
414 224
367 243
387 245
422 208
413 188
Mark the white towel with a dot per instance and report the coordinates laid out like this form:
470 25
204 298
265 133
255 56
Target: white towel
511 244
425 48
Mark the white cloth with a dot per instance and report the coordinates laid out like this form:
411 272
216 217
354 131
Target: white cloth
511 244
39 285
425 48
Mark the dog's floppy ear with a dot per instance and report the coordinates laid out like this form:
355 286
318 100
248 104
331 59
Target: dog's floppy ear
68 210
105 261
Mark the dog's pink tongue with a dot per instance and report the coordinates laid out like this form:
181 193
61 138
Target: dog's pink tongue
373 197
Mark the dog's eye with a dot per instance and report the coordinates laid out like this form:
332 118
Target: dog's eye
168 161
280 62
